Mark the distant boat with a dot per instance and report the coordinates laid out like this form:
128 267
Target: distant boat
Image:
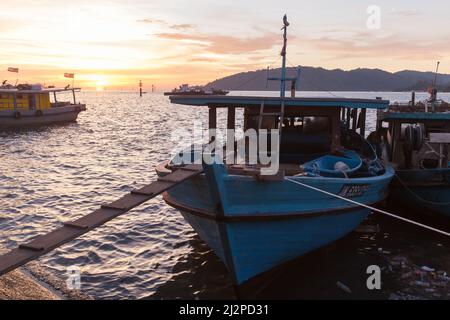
29 106
187 90
419 148
255 222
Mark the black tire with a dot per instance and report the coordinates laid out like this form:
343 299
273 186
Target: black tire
409 135
418 138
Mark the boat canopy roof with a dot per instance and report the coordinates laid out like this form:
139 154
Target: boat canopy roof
255 102
36 91
414 116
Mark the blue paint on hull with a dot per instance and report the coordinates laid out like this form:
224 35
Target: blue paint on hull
256 247
428 190
244 195
263 224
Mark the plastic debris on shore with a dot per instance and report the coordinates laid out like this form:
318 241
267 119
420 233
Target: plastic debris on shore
419 282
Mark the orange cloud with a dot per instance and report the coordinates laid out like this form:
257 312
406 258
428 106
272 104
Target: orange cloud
151 20
365 45
182 26
220 44
202 59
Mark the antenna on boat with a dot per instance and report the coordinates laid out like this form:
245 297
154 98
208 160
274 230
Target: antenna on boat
283 55
295 80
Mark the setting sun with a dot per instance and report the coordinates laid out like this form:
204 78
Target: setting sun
160 150
185 42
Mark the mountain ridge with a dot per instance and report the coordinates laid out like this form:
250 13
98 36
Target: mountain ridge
321 79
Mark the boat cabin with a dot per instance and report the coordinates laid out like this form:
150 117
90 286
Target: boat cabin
417 136
34 99
310 127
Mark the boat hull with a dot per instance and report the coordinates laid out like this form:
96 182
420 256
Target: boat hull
30 118
427 190
261 224
249 248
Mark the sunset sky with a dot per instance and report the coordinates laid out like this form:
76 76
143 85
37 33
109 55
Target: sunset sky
113 44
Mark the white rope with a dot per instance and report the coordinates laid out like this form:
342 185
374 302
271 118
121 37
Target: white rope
369 207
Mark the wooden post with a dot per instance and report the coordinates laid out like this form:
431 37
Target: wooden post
231 125
74 100
212 121
396 134
140 88
335 132
348 118
362 129
231 119
355 118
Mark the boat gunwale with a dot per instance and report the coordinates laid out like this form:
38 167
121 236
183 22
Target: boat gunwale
37 91
261 217
389 171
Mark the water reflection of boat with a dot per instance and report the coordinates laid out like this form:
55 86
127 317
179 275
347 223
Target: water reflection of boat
187 90
418 141
255 222
22 107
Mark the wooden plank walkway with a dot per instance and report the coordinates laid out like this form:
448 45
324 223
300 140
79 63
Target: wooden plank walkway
73 229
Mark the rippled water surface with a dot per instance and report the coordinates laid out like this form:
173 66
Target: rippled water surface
59 173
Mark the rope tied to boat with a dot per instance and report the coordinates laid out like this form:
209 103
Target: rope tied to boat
368 207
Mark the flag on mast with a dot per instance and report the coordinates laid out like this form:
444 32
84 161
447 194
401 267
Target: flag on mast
285 22
15 70
69 75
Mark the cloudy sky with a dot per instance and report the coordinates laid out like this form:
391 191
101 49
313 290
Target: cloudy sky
114 44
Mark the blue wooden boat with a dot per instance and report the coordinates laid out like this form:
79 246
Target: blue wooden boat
255 222
418 146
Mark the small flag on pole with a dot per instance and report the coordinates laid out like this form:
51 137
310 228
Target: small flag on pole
15 70
69 75
285 22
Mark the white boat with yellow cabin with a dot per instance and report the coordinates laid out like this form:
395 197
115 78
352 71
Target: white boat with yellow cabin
36 106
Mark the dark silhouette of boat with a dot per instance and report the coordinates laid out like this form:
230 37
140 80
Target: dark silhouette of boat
186 90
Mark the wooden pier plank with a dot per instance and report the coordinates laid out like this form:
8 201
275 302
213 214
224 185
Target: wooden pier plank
73 229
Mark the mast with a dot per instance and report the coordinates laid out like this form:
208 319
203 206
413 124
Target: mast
283 77
433 89
283 55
